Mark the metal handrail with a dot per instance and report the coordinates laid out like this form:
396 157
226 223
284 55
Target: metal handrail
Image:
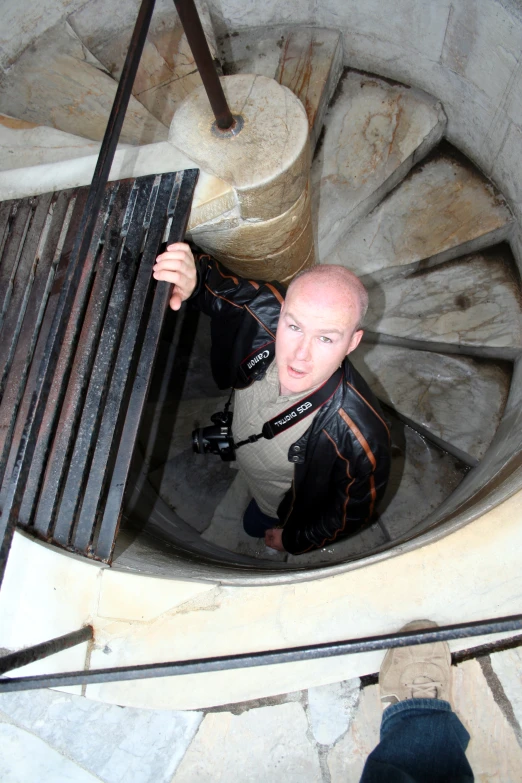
37 652
247 660
192 26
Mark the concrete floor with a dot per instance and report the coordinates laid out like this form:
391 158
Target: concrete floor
321 735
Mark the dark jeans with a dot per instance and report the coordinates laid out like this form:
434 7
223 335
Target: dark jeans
255 522
422 741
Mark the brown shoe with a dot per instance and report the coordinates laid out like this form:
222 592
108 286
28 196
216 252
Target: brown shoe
422 671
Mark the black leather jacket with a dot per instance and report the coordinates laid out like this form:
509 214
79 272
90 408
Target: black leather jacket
342 461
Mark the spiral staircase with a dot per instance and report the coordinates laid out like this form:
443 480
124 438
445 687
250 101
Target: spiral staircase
396 198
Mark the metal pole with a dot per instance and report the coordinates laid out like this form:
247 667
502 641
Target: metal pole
207 70
247 660
70 285
38 651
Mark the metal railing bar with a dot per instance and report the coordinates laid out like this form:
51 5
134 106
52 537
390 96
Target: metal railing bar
26 269
99 379
248 660
112 414
60 262
40 291
179 210
192 26
62 445
38 651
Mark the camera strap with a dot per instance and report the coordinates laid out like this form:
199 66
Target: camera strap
256 362
302 408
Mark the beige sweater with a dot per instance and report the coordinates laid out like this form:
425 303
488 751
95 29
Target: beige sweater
265 463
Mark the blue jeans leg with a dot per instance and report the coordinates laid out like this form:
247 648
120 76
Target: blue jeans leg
255 522
422 741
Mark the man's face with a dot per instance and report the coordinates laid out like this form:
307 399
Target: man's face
316 330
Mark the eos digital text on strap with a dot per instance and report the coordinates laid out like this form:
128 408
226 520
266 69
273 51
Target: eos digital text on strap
218 438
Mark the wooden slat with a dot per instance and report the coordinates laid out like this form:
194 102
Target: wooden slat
111 422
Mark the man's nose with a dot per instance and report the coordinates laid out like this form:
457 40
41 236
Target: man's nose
303 352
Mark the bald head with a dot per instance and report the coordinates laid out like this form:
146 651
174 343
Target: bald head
335 281
318 326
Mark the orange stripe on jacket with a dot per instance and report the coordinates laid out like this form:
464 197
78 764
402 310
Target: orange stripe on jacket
226 277
360 437
275 293
222 297
260 321
371 408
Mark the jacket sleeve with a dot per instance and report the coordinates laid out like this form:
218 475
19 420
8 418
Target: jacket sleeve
355 488
244 315
219 292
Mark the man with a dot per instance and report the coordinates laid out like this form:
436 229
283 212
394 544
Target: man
319 471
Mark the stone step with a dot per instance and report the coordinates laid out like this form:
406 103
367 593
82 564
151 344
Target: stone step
187 477
60 84
311 65
307 60
457 399
57 736
226 526
26 144
443 209
421 478
472 302
167 72
375 131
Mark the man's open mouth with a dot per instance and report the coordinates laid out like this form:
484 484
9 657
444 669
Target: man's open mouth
295 373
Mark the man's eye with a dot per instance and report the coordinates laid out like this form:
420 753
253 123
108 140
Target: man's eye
325 339
293 327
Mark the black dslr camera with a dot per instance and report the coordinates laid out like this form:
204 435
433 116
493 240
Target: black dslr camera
216 439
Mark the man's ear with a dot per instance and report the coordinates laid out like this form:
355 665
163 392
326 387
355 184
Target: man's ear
354 342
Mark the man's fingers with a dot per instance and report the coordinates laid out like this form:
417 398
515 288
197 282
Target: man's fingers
177 267
173 260
174 271
175 301
169 276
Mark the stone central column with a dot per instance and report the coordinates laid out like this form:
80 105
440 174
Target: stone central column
267 234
